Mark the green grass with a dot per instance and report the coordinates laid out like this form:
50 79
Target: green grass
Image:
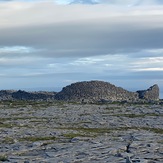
33 103
137 115
5 125
155 130
88 131
110 130
72 135
34 139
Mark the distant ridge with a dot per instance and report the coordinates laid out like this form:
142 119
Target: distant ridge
86 91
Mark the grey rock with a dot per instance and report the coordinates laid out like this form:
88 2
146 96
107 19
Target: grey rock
150 94
38 143
26 162
128 160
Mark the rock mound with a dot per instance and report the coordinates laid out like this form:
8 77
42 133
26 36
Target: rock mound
23 95
150 94
92 91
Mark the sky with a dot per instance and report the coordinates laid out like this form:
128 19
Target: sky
50 44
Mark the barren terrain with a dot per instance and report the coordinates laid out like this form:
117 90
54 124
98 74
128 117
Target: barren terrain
56 132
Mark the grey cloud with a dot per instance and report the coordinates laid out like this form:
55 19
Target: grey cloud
96 37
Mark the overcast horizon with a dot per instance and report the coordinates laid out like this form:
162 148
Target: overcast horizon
51 44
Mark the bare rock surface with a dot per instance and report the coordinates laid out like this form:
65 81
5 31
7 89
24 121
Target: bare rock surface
49 132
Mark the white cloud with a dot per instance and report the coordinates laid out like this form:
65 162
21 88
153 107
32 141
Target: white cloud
28 14
150 69
15 49
148 64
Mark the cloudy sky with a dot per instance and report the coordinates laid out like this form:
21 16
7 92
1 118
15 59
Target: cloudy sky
50 44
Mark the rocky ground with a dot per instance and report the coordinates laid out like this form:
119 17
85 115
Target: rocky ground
43 132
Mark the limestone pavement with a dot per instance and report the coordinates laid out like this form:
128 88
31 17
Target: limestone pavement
44 132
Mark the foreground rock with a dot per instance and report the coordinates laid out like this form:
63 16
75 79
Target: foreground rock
46 132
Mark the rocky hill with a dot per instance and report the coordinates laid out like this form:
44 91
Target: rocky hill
87 91
93 91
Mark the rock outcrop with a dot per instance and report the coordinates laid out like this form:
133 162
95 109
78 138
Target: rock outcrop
150 94
6 94
93 91
23 95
